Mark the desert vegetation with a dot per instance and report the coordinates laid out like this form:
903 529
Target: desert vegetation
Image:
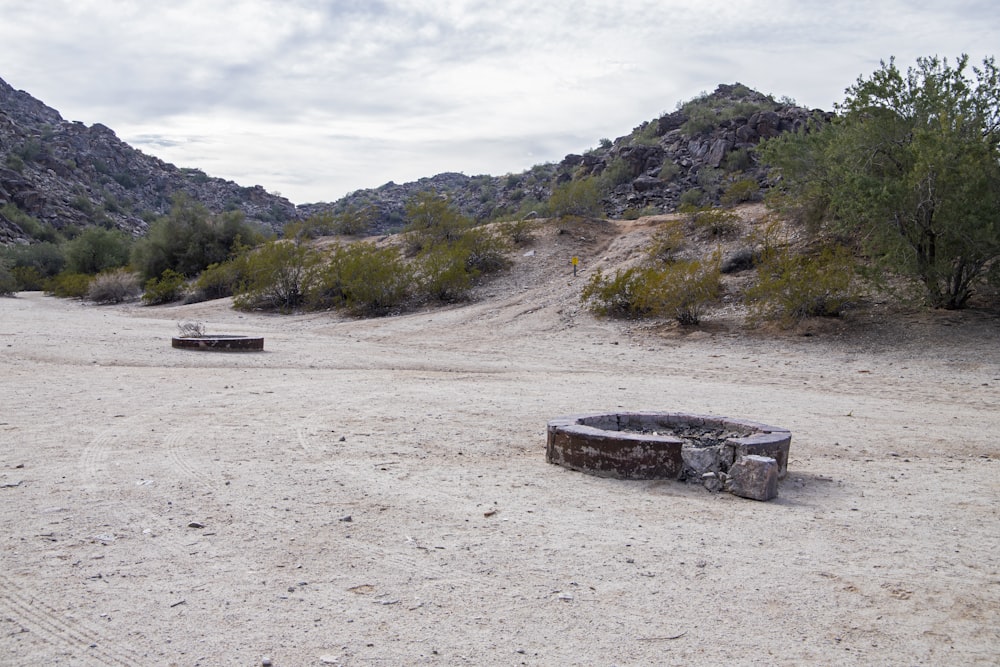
898 192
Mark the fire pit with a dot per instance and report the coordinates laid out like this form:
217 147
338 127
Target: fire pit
663 445
219 343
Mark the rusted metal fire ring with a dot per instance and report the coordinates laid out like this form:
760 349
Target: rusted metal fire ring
219 343
644 445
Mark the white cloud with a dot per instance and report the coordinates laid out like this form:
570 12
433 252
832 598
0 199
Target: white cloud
316 98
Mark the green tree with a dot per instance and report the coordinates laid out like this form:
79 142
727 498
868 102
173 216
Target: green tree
190 238
911 166
96 250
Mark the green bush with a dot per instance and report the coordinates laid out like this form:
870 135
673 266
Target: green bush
28 278
96 250
520 231
362 279
15 162
666 241
705 112
443 273
791 287
276 275
618 295
167 288
44 259
669 171
712 220
8 281
431 220
691 197
68 285
617 172
681 290
220 280
114 286
485 251
740 191
580 197
738 160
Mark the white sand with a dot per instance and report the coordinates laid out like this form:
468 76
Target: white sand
464 546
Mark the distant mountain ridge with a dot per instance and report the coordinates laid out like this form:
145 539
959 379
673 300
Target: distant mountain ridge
66 174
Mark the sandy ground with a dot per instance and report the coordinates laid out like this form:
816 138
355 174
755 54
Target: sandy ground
168 507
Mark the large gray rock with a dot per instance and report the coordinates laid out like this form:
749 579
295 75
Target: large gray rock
754 477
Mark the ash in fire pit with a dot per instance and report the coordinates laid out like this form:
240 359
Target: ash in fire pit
744 457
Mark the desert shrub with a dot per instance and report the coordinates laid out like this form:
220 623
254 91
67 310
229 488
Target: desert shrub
666 241
170 286
8 282
356 220
363 279
40 259
485 251
691 197
443 272
15 162
712 220
738 160
580 197
669 171
28 278
68 285
681 290
520 231
706 112
321 224
617 172
646 135
221 279
96 250
114 286
275 277
618 295
432 220
636 213
737 192
791 287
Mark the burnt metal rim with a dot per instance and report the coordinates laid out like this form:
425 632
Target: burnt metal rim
219 343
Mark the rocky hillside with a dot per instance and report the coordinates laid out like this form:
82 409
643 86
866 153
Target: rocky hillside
66 174
696 154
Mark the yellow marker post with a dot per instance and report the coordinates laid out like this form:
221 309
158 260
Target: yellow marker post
574 262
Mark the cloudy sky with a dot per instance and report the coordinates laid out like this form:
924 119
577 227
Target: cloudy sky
317 98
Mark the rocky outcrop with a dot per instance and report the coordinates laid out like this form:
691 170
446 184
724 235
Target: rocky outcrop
66 174
703 146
